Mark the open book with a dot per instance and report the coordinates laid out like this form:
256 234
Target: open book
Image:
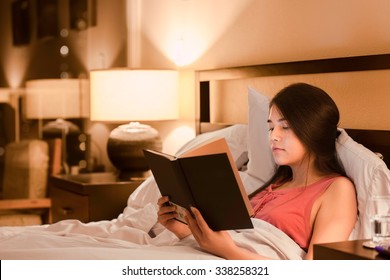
205 177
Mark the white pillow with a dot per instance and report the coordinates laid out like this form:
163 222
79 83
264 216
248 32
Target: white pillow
261 162
236 137
369 174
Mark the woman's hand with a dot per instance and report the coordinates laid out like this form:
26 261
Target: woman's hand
166 216
216 242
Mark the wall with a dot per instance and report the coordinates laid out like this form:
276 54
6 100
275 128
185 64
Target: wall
204 34
102 45
227 33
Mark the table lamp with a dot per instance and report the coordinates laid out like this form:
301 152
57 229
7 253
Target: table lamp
58 99
119 95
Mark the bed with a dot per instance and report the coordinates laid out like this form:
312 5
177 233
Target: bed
135 233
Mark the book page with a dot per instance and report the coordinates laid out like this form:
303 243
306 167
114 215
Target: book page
212 146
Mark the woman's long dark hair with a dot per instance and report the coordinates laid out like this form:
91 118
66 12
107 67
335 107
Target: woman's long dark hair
313 116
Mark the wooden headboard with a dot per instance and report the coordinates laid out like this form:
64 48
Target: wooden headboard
375 140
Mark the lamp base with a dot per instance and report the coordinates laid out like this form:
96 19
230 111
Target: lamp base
126 144
61 128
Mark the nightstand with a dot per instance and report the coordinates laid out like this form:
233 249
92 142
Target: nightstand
89 197
345 250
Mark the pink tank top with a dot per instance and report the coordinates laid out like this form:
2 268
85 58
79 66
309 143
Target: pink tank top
290 209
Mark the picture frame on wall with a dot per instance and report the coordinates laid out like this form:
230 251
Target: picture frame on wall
21 27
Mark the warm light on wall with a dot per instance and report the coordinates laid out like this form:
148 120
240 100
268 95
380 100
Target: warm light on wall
15 72
183 36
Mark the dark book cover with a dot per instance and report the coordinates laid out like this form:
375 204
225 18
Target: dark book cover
207 179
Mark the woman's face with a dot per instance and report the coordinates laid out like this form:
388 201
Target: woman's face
286 148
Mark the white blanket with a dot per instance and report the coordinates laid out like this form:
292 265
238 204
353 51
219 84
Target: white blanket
87 241
135 234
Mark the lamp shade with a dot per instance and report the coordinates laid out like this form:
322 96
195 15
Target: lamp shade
126 95
134 95
57 98
5 94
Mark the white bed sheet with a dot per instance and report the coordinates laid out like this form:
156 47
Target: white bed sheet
41 243
135 234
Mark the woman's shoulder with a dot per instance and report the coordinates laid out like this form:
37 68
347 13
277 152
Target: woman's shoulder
341 185
340 194
342 180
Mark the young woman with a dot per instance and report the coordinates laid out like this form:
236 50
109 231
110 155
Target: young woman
309 197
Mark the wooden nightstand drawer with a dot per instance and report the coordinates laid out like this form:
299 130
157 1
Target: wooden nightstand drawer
68 205
89 197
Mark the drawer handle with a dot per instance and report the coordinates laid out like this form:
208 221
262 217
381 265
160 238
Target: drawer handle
66 211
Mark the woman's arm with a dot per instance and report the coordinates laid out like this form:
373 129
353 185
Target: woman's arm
336 214
218 243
